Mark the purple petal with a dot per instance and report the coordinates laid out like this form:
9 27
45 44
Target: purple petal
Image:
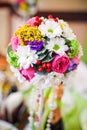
36 45
72 65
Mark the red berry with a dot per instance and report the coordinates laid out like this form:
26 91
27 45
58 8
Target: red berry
50 16
48 70
56 19
40 69
44 65
35 23
40 21
37 18
38 62
49 65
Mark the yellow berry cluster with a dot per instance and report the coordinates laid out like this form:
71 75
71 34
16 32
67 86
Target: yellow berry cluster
27 33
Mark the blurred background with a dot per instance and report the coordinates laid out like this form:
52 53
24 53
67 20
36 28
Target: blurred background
13 107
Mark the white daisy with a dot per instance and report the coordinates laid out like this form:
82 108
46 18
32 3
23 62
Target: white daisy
57 45
67 31
50 28
26 56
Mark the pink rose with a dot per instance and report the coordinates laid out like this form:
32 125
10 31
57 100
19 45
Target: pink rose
35 21
28 73
60 63
31 21
14 42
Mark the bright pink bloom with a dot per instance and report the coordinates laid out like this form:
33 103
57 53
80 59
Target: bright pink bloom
60 63
28 73
35 21
14 42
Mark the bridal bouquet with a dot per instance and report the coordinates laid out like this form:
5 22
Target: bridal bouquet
42 52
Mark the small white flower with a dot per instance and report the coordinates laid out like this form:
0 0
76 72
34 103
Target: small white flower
50 28
67 31
57 45
17 74
45 81
26 56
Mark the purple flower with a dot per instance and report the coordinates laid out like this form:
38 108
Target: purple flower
36 45
73 64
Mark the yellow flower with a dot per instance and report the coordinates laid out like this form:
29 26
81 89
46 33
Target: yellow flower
23 6
62 25
28 33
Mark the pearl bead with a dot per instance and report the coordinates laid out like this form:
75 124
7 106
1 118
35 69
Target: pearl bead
48 125
30 119
51 115
31 113
48 129
48 121
53 106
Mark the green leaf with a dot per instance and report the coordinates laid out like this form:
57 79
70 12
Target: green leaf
9 49
44 55
42 51
48 57
41 57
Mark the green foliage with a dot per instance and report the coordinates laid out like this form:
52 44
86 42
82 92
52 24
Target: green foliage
12 57
45 55
84 58
73 47
72 119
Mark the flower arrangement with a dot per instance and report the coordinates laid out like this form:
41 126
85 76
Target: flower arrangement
43 48
42 53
